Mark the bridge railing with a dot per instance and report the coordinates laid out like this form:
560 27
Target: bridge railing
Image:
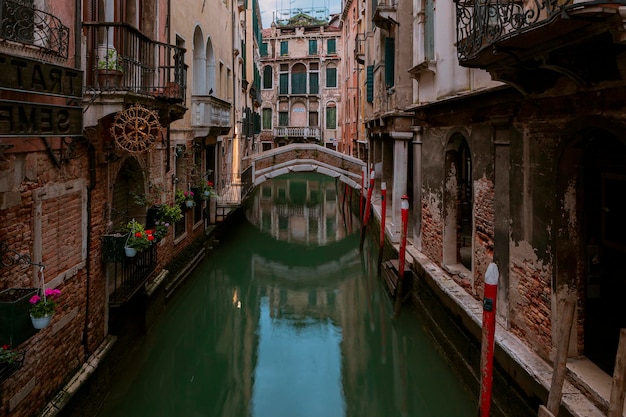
300 132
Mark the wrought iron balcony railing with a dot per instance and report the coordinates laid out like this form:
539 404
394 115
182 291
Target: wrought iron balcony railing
121 58
21 22
128 275
480 23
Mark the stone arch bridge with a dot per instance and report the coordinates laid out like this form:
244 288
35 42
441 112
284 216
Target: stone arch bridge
302 157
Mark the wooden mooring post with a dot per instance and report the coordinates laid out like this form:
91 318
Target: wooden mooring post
618 388
567 308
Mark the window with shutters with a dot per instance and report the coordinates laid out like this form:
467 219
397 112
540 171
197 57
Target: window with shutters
298 79
369 84
283 83
312 47
267 77
390 62
314 119
283 118
314 78
331 116
314 83
331 46
263 49
284 48
331 77
267 119
429 30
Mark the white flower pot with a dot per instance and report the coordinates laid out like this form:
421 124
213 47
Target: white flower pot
130 252
41 322
189 203
207 193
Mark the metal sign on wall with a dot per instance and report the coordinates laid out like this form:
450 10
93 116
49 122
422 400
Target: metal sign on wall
50 85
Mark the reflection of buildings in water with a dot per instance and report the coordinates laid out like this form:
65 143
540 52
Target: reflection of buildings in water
302 293
299 209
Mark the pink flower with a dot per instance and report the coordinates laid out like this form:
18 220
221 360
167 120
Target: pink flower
34 299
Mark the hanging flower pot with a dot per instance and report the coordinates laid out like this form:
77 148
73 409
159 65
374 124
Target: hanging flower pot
41 322
189 203
130 252
43 307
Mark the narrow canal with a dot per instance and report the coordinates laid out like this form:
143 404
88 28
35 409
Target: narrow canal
286 318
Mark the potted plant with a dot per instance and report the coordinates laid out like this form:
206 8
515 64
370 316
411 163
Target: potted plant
185 197
138 238
207 189
42 307
10 360
109 68
169 213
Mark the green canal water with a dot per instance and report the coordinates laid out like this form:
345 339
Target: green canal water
286 318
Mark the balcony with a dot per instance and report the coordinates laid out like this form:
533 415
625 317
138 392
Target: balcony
126 275
359 48
121 60
298 132
30 26
210 115
385 14
531 44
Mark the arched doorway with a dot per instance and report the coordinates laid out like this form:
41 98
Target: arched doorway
129 195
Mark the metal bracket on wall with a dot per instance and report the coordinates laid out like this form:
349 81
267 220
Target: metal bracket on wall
10 257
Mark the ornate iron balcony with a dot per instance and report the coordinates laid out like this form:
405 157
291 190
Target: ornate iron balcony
480 23
21 22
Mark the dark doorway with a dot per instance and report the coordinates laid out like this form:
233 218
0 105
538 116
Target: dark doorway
604 173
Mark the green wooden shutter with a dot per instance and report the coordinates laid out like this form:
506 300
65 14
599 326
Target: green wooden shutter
267 119
267 77
314 81
390 61
331 46
284 84
331 77
312 47
284 48
369 83
298 83
331 117
264 49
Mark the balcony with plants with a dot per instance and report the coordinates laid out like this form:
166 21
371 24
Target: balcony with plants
122 60
530 44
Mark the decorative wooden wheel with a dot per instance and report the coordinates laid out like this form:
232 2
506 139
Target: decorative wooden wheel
136 129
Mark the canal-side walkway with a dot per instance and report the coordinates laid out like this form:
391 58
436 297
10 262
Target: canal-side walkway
529 369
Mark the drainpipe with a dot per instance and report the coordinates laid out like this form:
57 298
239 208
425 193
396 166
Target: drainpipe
91 161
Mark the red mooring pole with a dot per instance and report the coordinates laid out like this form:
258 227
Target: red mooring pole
383 217
366 216
487 345
404 207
